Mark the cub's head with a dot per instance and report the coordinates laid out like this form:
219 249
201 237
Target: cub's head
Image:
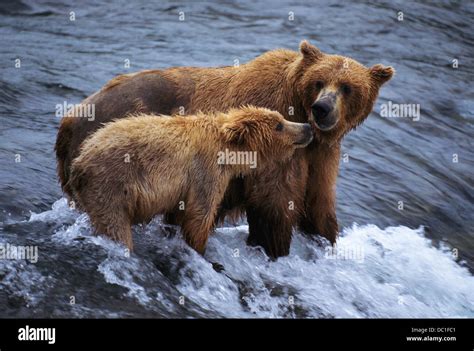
265 132
337 92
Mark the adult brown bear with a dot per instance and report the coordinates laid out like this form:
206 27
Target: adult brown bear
334 93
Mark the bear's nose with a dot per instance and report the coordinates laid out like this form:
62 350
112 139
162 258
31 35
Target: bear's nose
321 109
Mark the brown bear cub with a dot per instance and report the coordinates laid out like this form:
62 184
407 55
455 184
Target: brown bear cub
137 167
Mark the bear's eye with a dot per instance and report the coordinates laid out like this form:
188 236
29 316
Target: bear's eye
279 127
346 89
319 84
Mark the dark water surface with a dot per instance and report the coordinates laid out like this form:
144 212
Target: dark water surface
418 261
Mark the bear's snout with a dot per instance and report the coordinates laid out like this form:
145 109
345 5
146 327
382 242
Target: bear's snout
323 112
321 109
306 136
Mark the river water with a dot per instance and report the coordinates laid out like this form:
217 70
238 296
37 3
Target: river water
405 199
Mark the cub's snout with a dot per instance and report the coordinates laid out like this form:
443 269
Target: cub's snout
307 136
301 133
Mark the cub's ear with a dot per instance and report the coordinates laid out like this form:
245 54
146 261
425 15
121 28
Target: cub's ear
310 52
381 73
236 132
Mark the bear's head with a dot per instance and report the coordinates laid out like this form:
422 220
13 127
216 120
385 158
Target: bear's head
265 132
337 93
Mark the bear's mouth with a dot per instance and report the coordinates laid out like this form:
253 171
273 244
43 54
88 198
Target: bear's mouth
322 126
304 142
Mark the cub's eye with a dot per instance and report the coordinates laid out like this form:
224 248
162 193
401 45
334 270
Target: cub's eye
279 127
346 89
319 84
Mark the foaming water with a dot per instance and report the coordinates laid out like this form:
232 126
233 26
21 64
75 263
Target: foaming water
373 272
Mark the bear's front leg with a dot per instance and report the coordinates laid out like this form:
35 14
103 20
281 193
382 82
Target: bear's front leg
197 224
268 230
200 211
115 224
320 201
274 204
196 227
318 224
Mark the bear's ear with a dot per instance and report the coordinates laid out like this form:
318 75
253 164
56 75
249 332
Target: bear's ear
309 52
236 132
381 73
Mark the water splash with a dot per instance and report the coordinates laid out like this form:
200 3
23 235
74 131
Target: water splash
373 272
